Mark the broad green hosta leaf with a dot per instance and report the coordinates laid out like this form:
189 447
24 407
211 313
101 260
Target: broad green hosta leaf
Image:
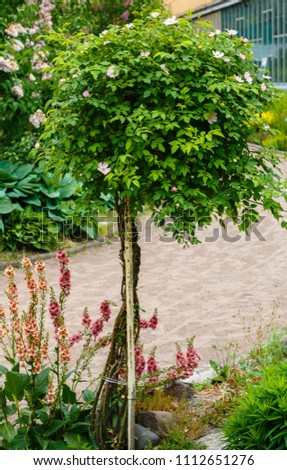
6 206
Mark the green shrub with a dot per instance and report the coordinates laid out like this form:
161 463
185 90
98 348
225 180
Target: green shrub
259 422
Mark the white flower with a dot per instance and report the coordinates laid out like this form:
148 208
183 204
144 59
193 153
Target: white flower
164 68
14 29
17 91
8 65
226 59
106 42
232 32
37 118
103 33
129 25
103 167
248 77
170 21
111 72
145 53
218 54
242 56
213 33
32 77
37 145
267 77
155 14
18 45
238 79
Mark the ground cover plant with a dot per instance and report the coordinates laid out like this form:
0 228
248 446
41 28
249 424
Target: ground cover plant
158 113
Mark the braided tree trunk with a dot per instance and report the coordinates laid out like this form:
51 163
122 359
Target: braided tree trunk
110 410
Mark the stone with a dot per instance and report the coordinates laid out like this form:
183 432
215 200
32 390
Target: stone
179 390
159 422
144 438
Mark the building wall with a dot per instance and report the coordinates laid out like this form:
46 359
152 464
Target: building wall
181 6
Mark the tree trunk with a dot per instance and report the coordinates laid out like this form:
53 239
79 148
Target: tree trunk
113 409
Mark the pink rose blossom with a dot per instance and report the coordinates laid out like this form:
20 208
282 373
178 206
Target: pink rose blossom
103 167
248 77
86 94
174 188
213 118
263 87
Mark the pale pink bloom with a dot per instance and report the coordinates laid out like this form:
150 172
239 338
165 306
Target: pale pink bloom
86 94
46 76
263 87
37 118
248 77
8 65
103 167
226 59
213 118
213 33
125 15
164 68
111 72
174 188
14 29
218 54
18 45
145 53
170 21
17 91
267 127
232 32
238 79
155 14
244 39
242 56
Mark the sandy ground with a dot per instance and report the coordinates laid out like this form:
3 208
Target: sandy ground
198 291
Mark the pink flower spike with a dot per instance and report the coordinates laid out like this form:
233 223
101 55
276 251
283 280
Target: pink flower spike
174 188
86 94
263 87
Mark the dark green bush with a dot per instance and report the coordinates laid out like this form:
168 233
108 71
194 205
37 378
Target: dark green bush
259 421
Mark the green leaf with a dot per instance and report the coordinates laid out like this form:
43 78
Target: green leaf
68 396
15 385
88 396
41 383
6 206
7 431
54 427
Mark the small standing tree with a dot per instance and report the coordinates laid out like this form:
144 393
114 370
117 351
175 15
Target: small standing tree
158 113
